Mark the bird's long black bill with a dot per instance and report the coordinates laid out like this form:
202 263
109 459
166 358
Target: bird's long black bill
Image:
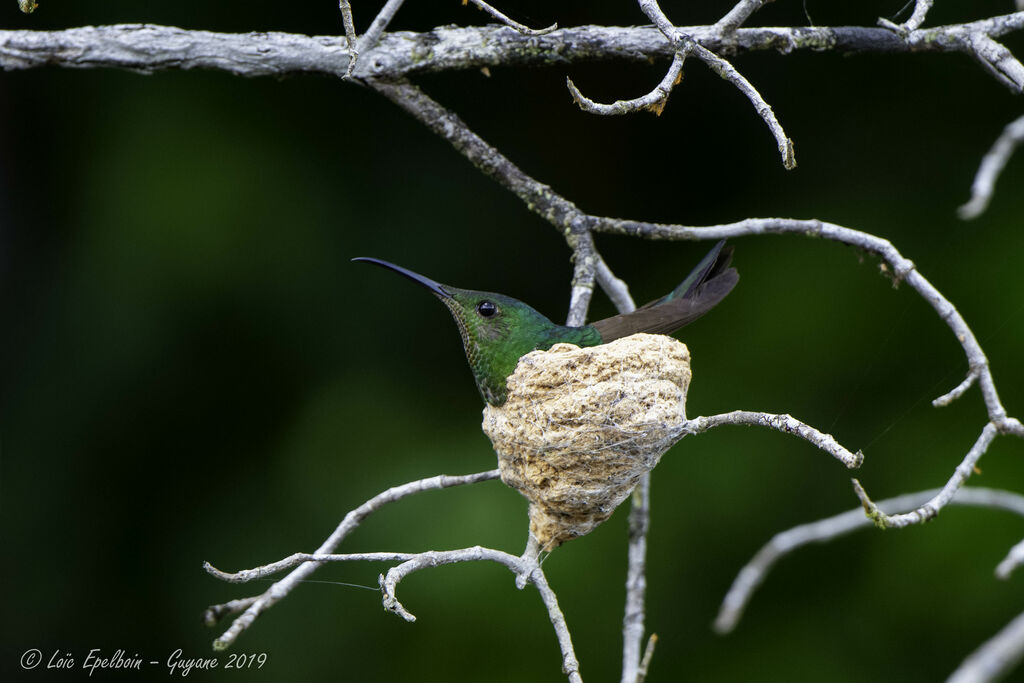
435 287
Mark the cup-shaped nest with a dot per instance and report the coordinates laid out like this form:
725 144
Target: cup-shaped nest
581 426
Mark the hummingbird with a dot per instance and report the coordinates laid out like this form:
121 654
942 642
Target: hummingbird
498 330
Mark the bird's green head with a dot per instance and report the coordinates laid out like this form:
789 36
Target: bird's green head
497 330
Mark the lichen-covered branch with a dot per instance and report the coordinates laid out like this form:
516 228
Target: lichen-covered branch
149 48
780 423
348 23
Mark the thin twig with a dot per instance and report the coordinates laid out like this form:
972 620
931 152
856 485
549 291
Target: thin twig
350 36
780 423
380 22
215 613
1013 560
723 68
645 663
616 289
915 20
257 573
931 508
521 28
282 588
738 14
957 391
991 167
653 101
757 569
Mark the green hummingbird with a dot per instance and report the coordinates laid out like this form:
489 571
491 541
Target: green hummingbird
498 330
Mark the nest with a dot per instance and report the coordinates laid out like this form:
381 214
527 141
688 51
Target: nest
581 426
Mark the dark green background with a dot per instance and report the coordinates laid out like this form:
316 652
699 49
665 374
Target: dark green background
192 369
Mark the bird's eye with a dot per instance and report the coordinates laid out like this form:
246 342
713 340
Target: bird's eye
486 309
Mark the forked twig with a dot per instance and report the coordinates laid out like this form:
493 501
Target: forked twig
253 607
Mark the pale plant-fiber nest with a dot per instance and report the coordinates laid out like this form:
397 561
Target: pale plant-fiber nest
581 426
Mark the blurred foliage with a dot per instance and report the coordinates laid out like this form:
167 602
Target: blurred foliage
192 369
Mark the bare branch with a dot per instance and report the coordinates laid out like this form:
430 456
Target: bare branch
636 585
995 658
296 559
215 613
997 60
756 571
525 30
930 509
648 655
380 22
389 585
899 267
726 70
738 14
350 35
957 391
913 23
616 289
1013 559
585 259
282 588
653 101
781 423
974 39
684 44
991 167
148 48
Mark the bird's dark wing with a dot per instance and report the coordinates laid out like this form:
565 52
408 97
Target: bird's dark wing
713 263
701 291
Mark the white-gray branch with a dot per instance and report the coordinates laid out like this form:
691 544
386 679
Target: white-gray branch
823 531
991 166
149 48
